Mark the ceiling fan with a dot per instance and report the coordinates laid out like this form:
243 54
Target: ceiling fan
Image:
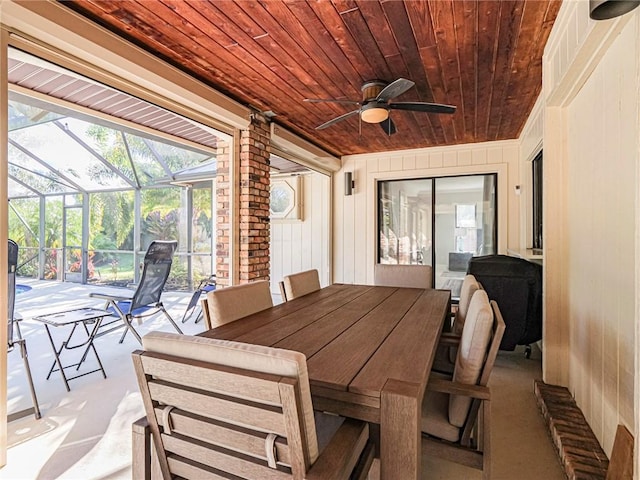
376 104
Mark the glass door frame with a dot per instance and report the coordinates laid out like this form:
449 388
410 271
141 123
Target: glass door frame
496 206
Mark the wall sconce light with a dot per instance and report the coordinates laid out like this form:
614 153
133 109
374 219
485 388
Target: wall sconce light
606 9
349 183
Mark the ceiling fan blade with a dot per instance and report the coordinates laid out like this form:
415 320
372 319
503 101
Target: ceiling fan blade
337 119
422 107
330 100
388 126
394 89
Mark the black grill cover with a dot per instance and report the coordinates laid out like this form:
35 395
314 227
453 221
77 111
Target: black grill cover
516 285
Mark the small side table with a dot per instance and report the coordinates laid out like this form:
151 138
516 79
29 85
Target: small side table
80 316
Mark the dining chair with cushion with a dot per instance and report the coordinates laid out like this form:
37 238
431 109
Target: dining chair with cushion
14 335
145 300
224 409
299 284
228 304
412 276
456 409
447 350
459 311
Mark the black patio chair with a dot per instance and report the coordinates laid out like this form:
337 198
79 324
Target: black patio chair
205 286
14 337
145 301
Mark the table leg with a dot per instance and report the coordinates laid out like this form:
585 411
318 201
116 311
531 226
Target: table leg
400 437
92 337
66 344
56 353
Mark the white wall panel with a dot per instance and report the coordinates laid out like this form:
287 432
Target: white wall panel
303 245
601 219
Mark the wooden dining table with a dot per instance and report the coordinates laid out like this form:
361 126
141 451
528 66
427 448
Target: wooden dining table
369 352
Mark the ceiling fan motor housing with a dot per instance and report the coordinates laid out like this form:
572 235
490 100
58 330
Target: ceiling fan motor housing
371 89
371 111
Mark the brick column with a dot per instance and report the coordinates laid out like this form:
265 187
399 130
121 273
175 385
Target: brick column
252 202
254 219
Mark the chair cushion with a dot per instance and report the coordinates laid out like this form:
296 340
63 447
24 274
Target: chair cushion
469 287
231 303
299 284
256 358
412 276
435 415
472 350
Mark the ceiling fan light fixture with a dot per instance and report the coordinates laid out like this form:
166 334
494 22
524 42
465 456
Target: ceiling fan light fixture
374 115
606 9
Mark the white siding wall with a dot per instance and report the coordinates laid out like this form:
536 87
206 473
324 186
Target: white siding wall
355 224
303 245
592 146
601 221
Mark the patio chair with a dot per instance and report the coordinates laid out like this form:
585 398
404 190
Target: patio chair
447 349
454 425
145 301
459 311
412 276
231 303
14 337
205 286
223 409
299 284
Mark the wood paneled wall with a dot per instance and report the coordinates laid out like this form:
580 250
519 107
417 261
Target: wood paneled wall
355 224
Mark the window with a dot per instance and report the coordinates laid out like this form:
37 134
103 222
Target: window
536 188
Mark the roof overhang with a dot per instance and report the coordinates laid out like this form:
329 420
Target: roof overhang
99 54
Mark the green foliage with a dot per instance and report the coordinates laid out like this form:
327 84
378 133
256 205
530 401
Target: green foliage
103 242
162 227
112 216
162 200
24 225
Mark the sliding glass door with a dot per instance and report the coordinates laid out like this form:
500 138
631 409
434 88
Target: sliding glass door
441 222
465 226
405 221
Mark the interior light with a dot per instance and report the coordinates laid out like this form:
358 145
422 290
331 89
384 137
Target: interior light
374 115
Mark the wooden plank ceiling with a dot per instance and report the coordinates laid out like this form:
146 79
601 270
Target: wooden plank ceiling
484 57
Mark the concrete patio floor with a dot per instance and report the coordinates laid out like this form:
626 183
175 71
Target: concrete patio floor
84 433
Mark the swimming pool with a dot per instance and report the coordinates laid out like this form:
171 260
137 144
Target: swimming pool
22 288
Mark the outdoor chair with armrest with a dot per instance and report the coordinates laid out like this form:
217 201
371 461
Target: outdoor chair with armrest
145 300
231 303
223 409
445 358
459 310
411 276
14 335
456 409
299 284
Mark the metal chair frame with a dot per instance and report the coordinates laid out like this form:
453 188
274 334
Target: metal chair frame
205 286
14 335
145 301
